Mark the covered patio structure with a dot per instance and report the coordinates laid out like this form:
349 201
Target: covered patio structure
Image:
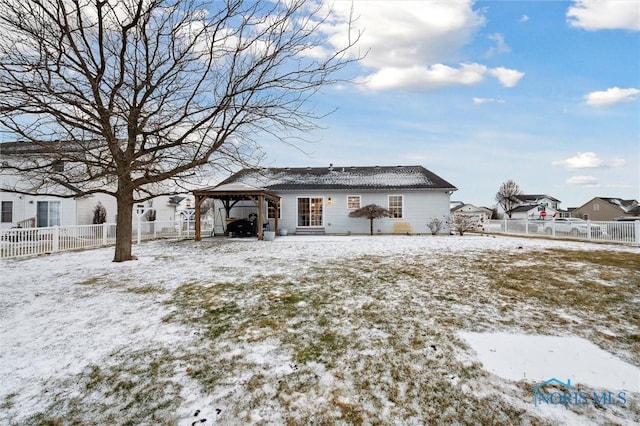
230 195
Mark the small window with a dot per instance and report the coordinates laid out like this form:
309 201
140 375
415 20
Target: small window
596 207
395 206
58 166
7 211
271 210
353 201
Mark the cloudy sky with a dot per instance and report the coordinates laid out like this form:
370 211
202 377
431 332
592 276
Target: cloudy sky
546 93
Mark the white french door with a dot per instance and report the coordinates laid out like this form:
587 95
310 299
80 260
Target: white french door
310 211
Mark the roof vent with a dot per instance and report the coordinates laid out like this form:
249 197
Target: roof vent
330 166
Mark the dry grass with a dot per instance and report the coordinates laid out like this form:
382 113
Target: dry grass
367 340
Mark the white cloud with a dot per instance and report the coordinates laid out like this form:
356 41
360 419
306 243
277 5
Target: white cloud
612 96
604 14
507 77
408 43
524 18
617 162
583 160
590 181
405 33
438 75
487 100
500 47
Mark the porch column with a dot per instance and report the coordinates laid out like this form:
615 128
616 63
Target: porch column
260 218
277 214
199 200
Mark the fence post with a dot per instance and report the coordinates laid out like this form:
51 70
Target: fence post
55 239
588 229
104 233
636 226
139 229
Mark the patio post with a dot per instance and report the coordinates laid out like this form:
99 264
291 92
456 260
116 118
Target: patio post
199 199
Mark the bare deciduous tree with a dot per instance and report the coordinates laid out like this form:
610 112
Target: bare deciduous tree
507 196
371 212
462 222
146 94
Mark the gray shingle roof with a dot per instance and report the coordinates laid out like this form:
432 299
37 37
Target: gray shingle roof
336 178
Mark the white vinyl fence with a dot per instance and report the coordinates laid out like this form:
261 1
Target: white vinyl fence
20 242
613 232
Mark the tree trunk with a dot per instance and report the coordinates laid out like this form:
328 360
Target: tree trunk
371 226
124 226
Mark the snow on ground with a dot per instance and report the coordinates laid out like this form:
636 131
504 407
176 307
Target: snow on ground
539 358
76 328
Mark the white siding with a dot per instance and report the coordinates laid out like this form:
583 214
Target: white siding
25 207
419 208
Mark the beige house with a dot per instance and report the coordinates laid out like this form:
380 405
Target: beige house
604 209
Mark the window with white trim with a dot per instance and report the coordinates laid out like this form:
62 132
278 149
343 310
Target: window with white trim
7 212
48 213
271 210
353 202
596 207
396 206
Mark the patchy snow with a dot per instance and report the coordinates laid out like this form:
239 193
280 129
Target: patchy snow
62 313
539 358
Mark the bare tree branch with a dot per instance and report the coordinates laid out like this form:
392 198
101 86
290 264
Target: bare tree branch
151 92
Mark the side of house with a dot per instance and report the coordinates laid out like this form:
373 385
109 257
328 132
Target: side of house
59 203
328 211
318 200
605 209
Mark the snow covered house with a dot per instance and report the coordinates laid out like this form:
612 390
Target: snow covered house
605 208
318 200
479 214
531 205
58 203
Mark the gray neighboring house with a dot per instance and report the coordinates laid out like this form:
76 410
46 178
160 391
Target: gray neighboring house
318 200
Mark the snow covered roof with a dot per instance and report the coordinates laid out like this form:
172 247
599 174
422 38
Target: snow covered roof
319 178
626 205
534 198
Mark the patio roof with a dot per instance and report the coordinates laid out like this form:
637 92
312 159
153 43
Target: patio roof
232 193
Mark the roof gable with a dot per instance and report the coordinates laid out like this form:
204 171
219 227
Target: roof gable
336 178
532 198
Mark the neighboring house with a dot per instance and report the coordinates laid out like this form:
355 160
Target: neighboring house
538 199
534 212
61 204
527 205
479 214
318 200
603 208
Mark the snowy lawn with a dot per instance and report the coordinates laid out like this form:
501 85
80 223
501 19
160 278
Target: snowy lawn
320 330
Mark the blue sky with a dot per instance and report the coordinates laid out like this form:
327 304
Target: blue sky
545 93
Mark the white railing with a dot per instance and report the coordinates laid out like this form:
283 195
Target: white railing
20 242
613 231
